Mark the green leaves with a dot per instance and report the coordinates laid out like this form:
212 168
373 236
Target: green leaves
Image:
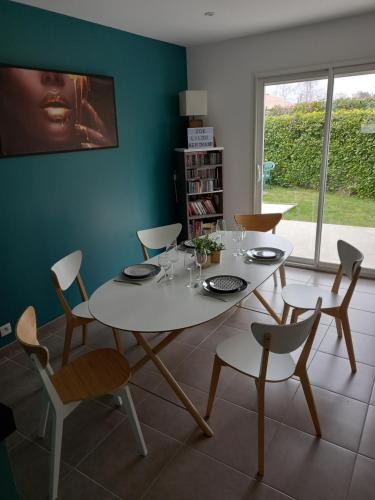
294 142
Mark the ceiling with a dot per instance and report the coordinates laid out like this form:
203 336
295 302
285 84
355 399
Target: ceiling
183 21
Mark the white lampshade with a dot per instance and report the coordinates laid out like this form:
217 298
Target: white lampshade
193 103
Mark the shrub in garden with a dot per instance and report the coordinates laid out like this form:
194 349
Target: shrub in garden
294 140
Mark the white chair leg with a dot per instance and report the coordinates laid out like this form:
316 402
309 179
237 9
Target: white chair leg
134 422
43 419
118 401
57 428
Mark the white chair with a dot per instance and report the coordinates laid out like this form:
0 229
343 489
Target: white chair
303 297
64 273
94 374
265 356
158 237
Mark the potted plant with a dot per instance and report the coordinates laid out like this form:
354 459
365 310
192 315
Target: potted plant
210 246
215 251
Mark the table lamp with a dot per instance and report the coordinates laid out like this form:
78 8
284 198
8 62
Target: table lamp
193 103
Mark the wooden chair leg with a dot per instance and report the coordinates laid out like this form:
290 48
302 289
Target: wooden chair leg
118 341
294 316
57 428
310 401
284 317
213 387
266 305
260 389
348 340
134 422
84 334
282 276
338 327
67 342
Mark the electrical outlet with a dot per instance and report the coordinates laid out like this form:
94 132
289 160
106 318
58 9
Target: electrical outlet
5 329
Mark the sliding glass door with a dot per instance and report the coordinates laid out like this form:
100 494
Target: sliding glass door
349 203
315 161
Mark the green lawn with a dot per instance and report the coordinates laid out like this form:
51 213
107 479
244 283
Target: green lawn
339 208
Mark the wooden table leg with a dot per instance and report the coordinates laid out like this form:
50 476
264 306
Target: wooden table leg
173 383
282 275
266 305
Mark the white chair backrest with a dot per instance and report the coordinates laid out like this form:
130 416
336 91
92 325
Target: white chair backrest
350 257
67 269
282 339
159 237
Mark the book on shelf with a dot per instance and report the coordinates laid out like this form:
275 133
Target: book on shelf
202 173
202 158
198 228
204 206
202 185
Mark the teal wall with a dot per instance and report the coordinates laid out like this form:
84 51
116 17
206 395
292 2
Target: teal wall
53 204
7 486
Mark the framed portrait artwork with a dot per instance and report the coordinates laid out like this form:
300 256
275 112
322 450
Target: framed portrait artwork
48 111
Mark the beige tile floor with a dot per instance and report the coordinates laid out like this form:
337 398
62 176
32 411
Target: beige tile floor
99 457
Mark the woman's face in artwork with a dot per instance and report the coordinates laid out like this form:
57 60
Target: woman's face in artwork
40 107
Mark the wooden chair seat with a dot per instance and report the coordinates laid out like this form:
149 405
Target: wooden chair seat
305 297
243 353
82 310
94 374
91 375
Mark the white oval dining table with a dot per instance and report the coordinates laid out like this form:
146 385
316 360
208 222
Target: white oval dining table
170 306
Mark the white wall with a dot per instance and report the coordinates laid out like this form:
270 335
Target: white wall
227 70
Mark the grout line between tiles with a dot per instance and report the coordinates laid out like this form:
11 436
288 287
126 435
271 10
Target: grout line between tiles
161 471
101 441
344 357
74 469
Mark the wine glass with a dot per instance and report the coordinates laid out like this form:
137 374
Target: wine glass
221 228
190 263
165 264
172 253
201 257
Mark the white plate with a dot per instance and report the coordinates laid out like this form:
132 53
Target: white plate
265 253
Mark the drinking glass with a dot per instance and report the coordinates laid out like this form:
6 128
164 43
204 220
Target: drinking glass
201 257
173 256
190 263
238 235
221 228
243 240
164 263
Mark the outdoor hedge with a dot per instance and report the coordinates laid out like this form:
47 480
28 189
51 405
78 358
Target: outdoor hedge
294 139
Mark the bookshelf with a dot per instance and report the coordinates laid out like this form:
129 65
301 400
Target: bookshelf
199 189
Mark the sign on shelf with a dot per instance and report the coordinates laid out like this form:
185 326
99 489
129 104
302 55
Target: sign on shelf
202 137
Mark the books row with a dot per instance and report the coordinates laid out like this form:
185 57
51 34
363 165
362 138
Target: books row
203 158
198 227
203 173
203 186
201 207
